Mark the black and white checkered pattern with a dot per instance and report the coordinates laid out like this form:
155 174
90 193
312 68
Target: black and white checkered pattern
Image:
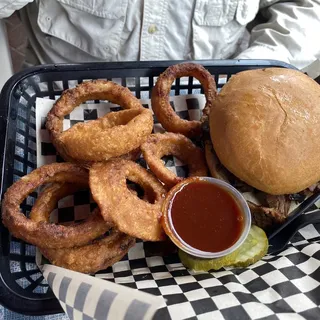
83 297
277 287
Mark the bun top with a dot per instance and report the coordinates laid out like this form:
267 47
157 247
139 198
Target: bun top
265 129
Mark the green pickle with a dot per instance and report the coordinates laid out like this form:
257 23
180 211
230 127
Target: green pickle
252 250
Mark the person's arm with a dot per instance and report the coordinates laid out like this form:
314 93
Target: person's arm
291 33
8 7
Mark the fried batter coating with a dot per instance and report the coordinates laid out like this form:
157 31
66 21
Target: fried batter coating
44 234
164 144
90 258
161 91
117 203
113 135
93 257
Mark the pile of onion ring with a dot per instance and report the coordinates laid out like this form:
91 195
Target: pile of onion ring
97 254
100 156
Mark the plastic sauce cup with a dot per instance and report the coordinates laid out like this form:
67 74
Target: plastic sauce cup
180 243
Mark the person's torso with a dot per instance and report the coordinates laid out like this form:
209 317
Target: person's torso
127 30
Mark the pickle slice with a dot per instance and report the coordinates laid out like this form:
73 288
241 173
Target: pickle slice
252 250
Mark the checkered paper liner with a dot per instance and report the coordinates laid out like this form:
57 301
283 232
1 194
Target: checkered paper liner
285 286
85 297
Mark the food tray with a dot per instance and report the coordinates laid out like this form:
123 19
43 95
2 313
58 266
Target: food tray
22 287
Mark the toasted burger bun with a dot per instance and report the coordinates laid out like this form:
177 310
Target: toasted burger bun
265 129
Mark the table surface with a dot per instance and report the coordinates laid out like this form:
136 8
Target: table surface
5 58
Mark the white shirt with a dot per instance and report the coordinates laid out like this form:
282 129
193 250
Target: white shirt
128 30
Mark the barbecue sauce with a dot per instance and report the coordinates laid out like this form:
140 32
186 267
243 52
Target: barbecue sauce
206 216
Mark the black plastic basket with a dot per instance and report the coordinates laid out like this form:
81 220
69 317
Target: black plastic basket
22 287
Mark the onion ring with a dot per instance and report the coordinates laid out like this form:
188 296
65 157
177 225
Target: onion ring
49 197
133 155
118 204
43 234
160 97
97 255
164 144
148 196
112 135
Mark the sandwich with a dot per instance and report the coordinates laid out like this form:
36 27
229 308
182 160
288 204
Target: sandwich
262 136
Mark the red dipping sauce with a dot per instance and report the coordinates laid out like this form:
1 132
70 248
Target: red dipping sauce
206 216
